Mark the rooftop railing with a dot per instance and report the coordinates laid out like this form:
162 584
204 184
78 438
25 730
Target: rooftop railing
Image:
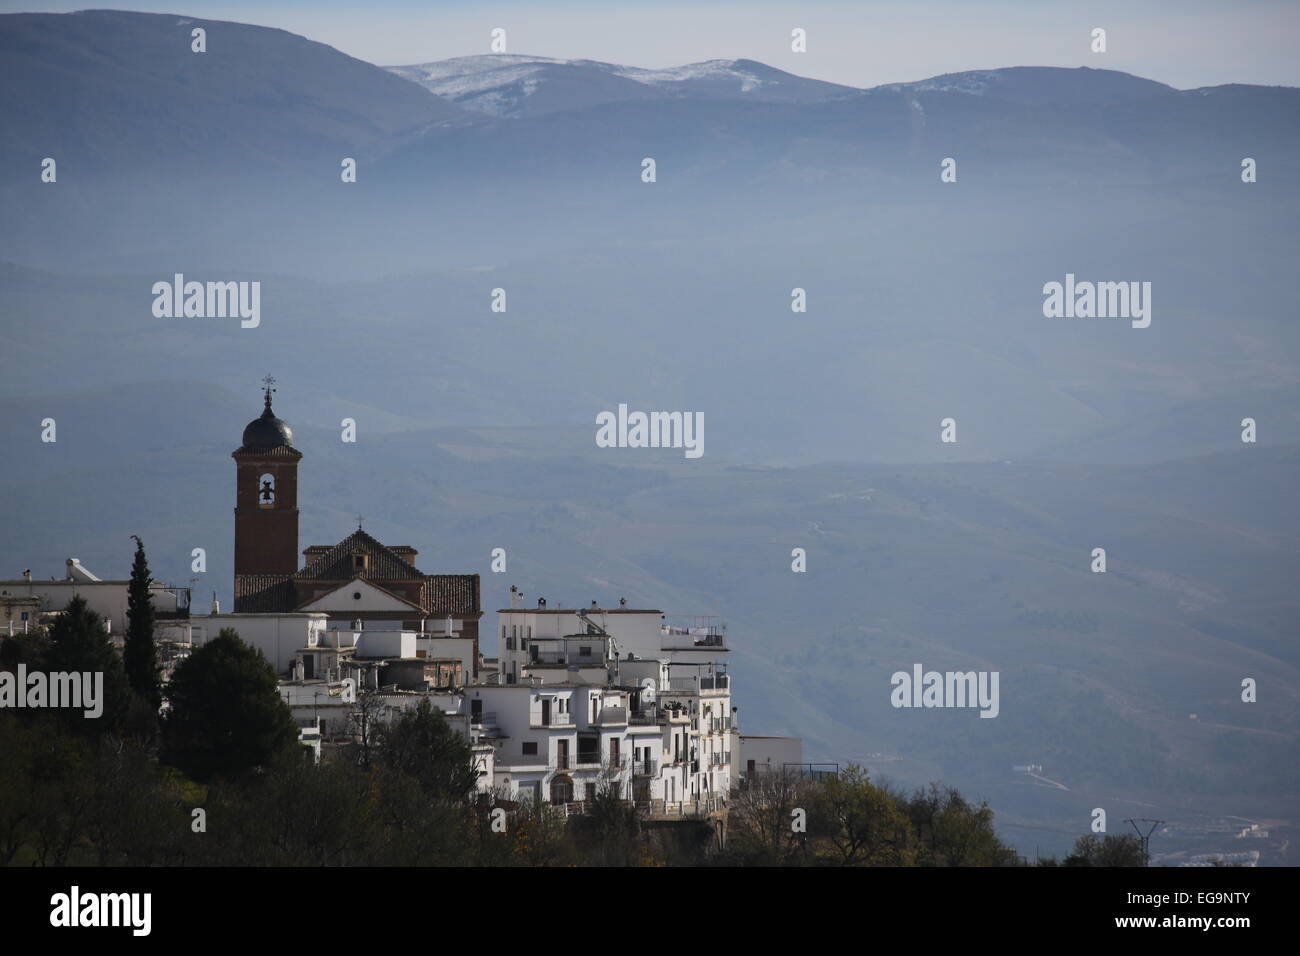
698 630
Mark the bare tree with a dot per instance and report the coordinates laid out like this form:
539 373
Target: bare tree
762 818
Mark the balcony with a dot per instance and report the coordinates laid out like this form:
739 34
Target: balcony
661 809
555 720
487 718
546 659
503 680
644 716
645 768
508 761
570 655
610 716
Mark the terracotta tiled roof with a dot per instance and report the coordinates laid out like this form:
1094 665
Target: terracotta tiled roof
455 595
336 564
264 593
451 594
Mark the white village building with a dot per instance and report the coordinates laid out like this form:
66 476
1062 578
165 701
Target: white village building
24 600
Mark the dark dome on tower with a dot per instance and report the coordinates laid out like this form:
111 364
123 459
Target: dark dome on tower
267 431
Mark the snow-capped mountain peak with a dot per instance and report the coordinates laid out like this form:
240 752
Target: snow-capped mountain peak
511 85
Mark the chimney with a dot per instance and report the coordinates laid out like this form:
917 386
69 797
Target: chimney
27 575
216 605
516 597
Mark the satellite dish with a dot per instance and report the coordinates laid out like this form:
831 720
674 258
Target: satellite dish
648 689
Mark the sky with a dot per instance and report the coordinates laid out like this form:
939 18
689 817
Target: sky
1186 43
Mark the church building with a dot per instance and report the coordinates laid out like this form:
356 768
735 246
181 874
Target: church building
358 579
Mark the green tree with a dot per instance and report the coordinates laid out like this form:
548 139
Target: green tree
133 818
421 744
423 777
139 656
860 823
19 745
226 716
1096 849
61 794
950 831
79 643
297 813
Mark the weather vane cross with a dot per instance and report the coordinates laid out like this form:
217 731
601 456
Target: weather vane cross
358 522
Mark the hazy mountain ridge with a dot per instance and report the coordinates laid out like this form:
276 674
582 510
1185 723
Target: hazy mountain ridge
437 182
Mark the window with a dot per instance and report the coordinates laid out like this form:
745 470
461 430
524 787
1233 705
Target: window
358 562
510 643
584 651
530 748
266 492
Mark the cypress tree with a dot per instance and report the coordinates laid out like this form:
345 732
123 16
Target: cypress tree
139 654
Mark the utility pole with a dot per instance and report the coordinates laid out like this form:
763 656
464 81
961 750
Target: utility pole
1145 837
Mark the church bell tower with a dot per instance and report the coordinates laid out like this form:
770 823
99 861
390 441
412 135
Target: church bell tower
266 497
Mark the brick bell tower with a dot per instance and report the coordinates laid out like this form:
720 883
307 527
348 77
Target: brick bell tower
266 497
